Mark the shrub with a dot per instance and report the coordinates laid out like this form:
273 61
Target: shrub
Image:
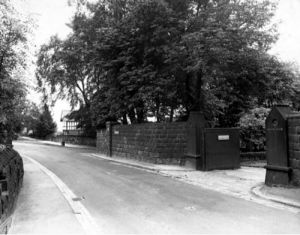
253 133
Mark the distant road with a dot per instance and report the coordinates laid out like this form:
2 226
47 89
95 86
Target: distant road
122 199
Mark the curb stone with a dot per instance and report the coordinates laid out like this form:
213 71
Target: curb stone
126 163
257 192
135 165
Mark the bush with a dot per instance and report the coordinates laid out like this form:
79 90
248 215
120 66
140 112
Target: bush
253 133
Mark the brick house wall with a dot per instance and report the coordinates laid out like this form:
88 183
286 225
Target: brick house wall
159 143
294 148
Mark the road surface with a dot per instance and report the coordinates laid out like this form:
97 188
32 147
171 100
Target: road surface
122 199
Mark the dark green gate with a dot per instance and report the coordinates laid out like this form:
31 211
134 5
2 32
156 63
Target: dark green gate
221 148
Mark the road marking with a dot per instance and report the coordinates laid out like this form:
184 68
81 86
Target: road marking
82 214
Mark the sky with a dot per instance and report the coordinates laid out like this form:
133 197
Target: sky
288 45
51 17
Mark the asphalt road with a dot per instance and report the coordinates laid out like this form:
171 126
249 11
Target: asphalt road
122 199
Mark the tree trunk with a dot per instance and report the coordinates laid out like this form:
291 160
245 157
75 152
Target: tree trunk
196 91
140 112
157 109
124 119
171 114
131 115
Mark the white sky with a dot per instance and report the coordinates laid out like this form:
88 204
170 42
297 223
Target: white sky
52 15
288 45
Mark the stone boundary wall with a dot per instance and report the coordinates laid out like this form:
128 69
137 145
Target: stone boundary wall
11 179
73 139
294 148
159 143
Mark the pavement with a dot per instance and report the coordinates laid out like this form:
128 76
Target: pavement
43 205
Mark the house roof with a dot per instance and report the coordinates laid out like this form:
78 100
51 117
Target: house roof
64 114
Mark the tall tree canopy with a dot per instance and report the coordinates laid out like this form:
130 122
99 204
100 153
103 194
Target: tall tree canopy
13 50
45 125
135 59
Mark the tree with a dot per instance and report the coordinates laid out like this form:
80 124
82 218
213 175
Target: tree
29 117
69 68
45 125
224 56
13 50
131 60
139 79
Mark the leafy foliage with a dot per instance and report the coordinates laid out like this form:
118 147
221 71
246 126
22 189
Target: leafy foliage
253 133
13 50
45 125
29 117
128 60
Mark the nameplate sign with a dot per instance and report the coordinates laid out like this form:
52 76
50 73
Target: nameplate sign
223 137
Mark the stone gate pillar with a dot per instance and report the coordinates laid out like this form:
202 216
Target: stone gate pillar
194 156
278 169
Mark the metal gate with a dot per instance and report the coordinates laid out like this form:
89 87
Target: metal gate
221 148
